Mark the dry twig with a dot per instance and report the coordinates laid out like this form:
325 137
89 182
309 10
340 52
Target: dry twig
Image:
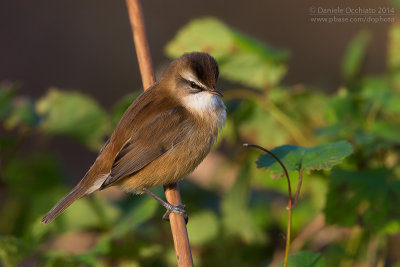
177 221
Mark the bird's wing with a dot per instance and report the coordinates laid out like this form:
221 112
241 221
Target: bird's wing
151 140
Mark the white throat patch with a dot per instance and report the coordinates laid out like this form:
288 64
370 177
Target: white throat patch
207 105
202 102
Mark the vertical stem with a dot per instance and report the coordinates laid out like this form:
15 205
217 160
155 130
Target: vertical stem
289 207
296 197
141 43
289 227
178 224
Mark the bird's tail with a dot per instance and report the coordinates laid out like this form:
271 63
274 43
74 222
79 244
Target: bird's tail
64 203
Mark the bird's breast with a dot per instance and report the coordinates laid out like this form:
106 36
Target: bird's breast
183 157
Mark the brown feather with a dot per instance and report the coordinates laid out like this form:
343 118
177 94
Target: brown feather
64 203
160 138
149 142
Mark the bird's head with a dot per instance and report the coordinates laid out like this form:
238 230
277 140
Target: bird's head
193 78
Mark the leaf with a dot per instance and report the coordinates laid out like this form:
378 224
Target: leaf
342 108
305 259
354 56
252 68
203 34
75 115
371 199
255 123
22 114
297 158
377 90
241 58
203 227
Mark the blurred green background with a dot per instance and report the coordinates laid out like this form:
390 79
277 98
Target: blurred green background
346 216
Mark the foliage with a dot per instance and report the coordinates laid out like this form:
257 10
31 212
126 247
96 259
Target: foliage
231 224
354 56
73 114
241 58
306 259
296 158
371 198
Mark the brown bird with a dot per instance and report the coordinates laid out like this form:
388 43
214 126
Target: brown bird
162 137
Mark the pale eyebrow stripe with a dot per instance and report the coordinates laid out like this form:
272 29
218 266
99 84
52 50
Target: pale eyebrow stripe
188 76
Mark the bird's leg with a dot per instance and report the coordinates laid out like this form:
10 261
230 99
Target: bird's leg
178 209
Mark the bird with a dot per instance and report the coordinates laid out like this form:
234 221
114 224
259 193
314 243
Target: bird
162 136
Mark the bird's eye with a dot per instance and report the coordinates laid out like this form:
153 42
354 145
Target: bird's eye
193 85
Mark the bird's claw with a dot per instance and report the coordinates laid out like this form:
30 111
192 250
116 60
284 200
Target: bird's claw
177 209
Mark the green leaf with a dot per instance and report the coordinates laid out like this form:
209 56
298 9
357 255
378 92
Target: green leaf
253 68
75 115
305 259
255 123
204 34
203 227
241 58
297 158
23 114
380 94
342 108
354 56
371 199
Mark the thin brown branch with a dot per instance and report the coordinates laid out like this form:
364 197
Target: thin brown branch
141 43
289 206
178 224
178 227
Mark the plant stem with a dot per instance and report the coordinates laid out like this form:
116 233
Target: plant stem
289 206
296 196
141 43
177 221
289 227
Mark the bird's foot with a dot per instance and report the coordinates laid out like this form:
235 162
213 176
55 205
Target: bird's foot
177 209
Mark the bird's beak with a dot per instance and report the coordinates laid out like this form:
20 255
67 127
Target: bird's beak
215 92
